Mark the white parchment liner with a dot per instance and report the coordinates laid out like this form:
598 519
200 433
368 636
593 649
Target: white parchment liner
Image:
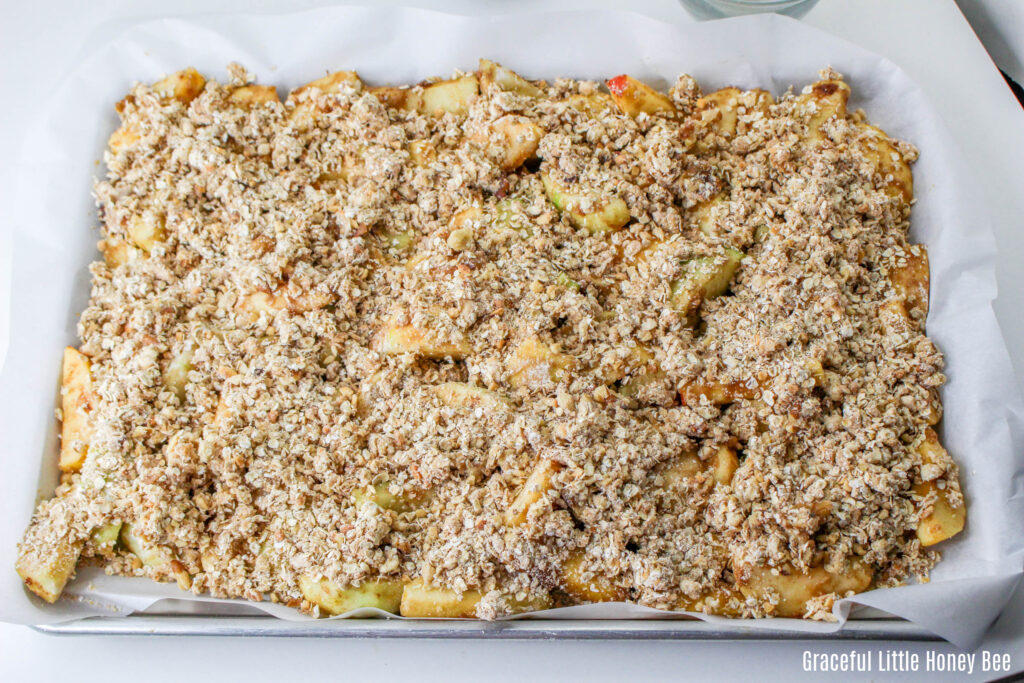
53 235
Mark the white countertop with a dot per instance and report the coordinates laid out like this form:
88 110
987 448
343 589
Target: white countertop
928 38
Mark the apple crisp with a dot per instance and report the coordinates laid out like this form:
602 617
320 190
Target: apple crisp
488 345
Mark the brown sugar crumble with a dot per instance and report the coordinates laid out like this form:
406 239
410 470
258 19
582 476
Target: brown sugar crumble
507 344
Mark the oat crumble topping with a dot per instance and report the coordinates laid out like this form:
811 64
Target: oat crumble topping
383 323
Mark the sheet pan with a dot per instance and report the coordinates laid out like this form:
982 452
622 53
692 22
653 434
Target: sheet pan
53 241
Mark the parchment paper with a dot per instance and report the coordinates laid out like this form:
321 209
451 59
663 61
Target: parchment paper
54 234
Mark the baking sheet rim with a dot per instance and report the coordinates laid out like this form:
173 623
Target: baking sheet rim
523 629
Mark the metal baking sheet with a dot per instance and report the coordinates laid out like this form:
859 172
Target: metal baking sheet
174 618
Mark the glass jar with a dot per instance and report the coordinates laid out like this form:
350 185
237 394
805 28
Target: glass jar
717 9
